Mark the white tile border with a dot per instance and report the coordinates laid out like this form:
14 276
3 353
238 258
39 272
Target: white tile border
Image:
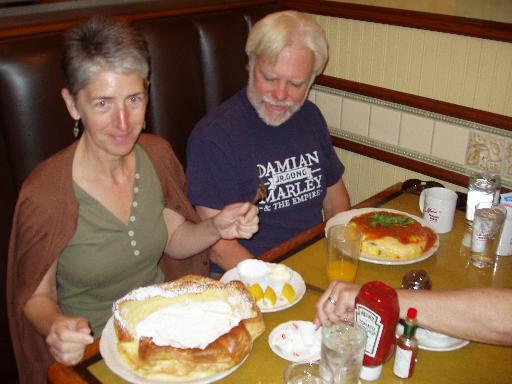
465 170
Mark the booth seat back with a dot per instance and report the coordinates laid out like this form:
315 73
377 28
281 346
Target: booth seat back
197 62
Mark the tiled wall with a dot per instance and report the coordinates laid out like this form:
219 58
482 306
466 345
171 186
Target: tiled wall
364 176
450 143
461 70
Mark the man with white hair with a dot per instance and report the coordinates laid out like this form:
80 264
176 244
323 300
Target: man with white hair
270 133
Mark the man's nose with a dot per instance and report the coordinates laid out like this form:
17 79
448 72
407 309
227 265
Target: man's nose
281 91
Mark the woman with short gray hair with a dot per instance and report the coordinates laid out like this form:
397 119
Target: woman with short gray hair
93 221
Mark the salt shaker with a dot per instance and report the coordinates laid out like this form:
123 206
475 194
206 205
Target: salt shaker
481 189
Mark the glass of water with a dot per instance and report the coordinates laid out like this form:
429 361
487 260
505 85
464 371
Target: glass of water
307 372
487 225
342 353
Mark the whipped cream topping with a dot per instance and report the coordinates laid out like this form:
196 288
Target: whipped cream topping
170 290
189 324
279 275
252 270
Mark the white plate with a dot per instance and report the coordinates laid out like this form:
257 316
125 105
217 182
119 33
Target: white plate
433 341
110 354
296 281
299 330
345 217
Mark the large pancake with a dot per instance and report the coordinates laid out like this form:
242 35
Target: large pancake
152 359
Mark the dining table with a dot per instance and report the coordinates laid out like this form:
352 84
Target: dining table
448 268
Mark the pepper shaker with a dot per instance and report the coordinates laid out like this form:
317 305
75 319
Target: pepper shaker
416 279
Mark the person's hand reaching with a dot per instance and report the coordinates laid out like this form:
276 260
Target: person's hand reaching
336 304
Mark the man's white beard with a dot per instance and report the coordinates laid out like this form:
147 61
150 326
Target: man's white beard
257 102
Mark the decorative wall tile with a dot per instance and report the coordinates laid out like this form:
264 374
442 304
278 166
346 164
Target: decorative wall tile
485 152
507 164
384 124
450 142
330 106
416 133
355 116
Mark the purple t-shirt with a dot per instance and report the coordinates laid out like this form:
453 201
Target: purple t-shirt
231 149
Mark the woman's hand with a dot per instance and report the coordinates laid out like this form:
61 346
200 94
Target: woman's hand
336 304
68 338
239 220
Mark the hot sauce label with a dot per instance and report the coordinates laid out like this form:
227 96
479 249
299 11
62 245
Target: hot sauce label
371 322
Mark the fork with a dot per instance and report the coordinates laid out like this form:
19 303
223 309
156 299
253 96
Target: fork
261 193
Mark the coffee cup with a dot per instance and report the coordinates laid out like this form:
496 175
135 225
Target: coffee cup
438 207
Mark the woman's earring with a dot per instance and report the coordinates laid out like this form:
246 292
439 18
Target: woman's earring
76 130
144 125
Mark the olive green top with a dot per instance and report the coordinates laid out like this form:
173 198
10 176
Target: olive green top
106 258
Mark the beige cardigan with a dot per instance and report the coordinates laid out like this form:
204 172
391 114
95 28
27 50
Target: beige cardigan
45 220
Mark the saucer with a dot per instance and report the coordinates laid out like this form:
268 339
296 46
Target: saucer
434 341
296 341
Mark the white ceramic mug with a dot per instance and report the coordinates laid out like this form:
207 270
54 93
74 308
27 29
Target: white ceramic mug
438 207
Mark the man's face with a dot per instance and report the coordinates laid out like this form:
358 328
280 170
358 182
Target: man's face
278 91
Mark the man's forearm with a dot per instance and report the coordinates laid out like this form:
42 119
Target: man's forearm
228 253
473 314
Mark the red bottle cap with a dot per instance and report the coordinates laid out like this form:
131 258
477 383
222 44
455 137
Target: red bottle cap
411 313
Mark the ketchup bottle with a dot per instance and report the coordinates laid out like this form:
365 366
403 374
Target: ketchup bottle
377 311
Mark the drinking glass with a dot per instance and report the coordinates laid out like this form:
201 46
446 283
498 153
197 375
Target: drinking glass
487 225
343 249
341 356
307 372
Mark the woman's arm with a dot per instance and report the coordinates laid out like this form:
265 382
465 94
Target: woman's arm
66 336
225 253
185 239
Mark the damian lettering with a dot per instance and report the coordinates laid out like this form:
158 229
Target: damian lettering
294 162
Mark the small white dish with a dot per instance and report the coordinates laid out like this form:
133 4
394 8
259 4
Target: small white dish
434 341
296 281
296 340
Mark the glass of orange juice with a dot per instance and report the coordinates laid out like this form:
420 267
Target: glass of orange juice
343 249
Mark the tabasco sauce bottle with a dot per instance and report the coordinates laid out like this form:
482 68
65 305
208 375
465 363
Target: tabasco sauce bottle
406 347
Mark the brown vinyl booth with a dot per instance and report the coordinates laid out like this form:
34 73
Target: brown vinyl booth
197 61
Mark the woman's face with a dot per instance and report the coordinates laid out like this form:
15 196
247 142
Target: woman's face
112 109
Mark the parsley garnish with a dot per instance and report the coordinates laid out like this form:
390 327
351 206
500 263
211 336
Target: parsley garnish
387 220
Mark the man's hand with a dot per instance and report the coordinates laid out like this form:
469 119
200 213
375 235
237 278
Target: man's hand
336 304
